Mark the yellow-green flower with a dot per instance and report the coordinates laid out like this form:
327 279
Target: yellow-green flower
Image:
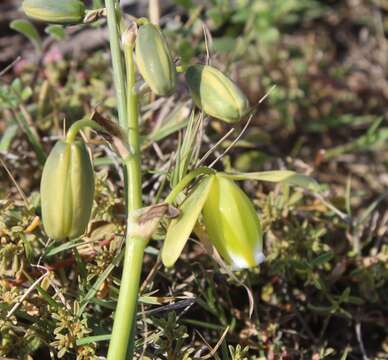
232 224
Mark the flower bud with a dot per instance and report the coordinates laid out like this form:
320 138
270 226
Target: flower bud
232 224
215 94
67 190
55 11
154 60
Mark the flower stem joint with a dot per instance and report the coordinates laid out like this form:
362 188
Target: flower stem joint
67 190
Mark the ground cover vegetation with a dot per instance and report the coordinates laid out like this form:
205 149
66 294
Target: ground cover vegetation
316 72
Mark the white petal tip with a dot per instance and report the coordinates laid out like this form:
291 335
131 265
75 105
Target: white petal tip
240 263
259 258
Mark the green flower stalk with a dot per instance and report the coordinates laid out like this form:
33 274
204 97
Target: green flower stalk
121 346
232 224
154 60
67 190
215 94
55 11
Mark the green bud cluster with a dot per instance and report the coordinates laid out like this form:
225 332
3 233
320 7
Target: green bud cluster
213 92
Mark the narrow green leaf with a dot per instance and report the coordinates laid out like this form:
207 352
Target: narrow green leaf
180 229
32 138
175 121
272 176
56 31
186 154
153 300
303 181
92 339
323 258
81 266
54 249
285 176
45 295
364 216
321 309
203 324
107 304
27 248
28 30
8 136
105 161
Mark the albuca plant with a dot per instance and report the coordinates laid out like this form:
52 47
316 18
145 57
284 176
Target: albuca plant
209 203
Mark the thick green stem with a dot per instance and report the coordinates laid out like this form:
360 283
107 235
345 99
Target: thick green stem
127 302
134 200
117 61
121 346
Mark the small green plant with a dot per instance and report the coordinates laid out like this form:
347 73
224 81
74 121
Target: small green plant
67 187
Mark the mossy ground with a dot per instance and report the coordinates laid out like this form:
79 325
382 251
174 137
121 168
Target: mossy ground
322 291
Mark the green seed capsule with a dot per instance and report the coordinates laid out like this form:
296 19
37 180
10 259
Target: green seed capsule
55 11
154 60
232 224
67 190
215 94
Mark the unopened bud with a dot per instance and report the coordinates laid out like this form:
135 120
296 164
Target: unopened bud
215 94
154 60
67 190
55 11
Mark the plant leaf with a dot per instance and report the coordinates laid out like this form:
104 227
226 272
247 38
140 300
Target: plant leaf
56 31
8 136
285 176
92 339
180 229
54 248
28 30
